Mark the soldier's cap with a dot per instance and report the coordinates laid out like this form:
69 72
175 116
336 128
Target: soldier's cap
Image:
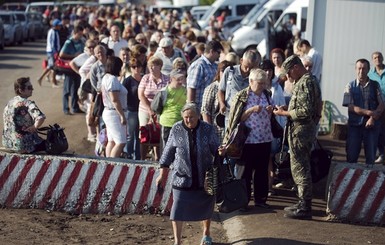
177 73
289 63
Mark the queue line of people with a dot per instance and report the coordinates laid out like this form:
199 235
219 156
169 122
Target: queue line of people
250 91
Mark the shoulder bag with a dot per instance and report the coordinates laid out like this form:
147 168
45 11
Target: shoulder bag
276 128
237 139
62 66
96 108
56 141
157 103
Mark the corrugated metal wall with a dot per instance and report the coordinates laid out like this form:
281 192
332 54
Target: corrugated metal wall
344 31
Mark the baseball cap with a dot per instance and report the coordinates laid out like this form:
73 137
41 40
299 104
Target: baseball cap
289 63
165 42
56 22
177 73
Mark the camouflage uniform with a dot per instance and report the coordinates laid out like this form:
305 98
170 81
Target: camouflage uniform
304 108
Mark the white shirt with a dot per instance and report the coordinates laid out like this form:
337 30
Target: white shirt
116 46
317 63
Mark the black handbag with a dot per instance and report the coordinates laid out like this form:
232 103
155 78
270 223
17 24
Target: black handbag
231 193
276 128
86 86
56 141
320 162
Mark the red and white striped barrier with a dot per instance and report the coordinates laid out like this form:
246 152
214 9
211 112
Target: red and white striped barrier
79 185
356 193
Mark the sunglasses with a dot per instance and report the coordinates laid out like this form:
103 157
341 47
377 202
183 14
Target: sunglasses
91 47
134 67
30 87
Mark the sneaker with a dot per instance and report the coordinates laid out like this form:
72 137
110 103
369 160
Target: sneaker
380 159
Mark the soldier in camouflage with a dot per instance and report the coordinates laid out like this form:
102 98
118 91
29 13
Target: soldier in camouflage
303 115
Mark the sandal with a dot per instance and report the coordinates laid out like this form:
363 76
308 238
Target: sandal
206 240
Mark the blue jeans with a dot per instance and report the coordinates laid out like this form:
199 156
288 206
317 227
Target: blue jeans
70 88
133 144
359 134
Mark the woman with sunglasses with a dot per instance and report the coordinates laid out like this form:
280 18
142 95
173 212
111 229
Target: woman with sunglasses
22 118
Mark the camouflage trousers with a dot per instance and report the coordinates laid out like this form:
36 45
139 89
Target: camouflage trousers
301 139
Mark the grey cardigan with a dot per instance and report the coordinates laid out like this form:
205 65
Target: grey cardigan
177 152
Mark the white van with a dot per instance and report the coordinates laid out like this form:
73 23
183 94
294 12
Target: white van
40 6
257 24
199 11
235 9
279 38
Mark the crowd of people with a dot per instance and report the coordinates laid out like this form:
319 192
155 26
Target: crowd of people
129 56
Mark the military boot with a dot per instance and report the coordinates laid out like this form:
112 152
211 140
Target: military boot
303 210
292 207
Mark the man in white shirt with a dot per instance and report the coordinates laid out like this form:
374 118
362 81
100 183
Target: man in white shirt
168 53
115 41
305 48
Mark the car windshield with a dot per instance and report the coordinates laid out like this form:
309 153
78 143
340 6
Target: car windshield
6 18
252 16
207 13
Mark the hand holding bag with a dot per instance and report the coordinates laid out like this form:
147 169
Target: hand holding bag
62 66
150 134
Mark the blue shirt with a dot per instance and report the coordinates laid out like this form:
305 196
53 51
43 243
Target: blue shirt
201 73
380 78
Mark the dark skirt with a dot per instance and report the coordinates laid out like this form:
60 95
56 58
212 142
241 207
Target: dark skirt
194 205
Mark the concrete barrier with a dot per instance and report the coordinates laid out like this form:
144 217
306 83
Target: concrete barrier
356 193
81 185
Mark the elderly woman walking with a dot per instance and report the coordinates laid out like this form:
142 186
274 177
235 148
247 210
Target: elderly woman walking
190 148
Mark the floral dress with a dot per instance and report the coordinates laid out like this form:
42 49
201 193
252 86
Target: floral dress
19 114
